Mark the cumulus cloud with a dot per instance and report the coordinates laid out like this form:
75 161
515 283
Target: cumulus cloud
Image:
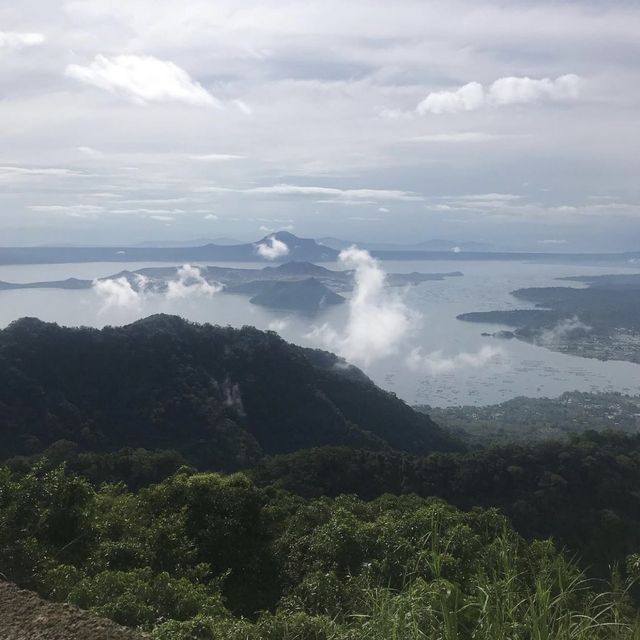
469 97
503 92
191 283
142 79
511 90
118 293
130 293
272 248
378 320
16 40
435 363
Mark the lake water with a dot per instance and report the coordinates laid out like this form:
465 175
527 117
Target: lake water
521 369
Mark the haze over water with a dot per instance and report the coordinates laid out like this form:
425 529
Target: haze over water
522 369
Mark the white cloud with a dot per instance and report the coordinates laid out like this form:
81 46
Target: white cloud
435 363
9 173
321 85
553 241
143 79
117 293
76 210
511 90
341 194
459 136
514 207
90 152
332 193
216 157
278 325
504 91
191 283
378 320
210 216
131 294
242 106
469 97
16 40
148 212
489 197
102 194
272 248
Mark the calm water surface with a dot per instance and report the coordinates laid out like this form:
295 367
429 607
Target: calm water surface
522 370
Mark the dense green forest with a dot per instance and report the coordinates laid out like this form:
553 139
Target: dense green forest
221 397
583 493
353 517
202 555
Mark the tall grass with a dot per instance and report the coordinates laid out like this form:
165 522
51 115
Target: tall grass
507 589
546 598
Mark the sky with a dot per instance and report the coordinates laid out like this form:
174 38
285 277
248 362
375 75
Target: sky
510 123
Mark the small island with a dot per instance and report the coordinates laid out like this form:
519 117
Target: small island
295 286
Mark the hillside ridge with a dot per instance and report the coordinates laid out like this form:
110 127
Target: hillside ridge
221 397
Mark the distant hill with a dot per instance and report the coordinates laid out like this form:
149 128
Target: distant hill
196 242
426 245
528 420
600 321
221 397
308 296
299 249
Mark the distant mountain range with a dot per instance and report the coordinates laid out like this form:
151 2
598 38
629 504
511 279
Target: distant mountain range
196 242
427 245
297 249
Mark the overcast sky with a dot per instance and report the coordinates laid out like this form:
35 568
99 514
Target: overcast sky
516 123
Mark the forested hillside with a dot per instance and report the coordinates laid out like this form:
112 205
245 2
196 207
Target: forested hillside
354 517
208 557
221 397
583 493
